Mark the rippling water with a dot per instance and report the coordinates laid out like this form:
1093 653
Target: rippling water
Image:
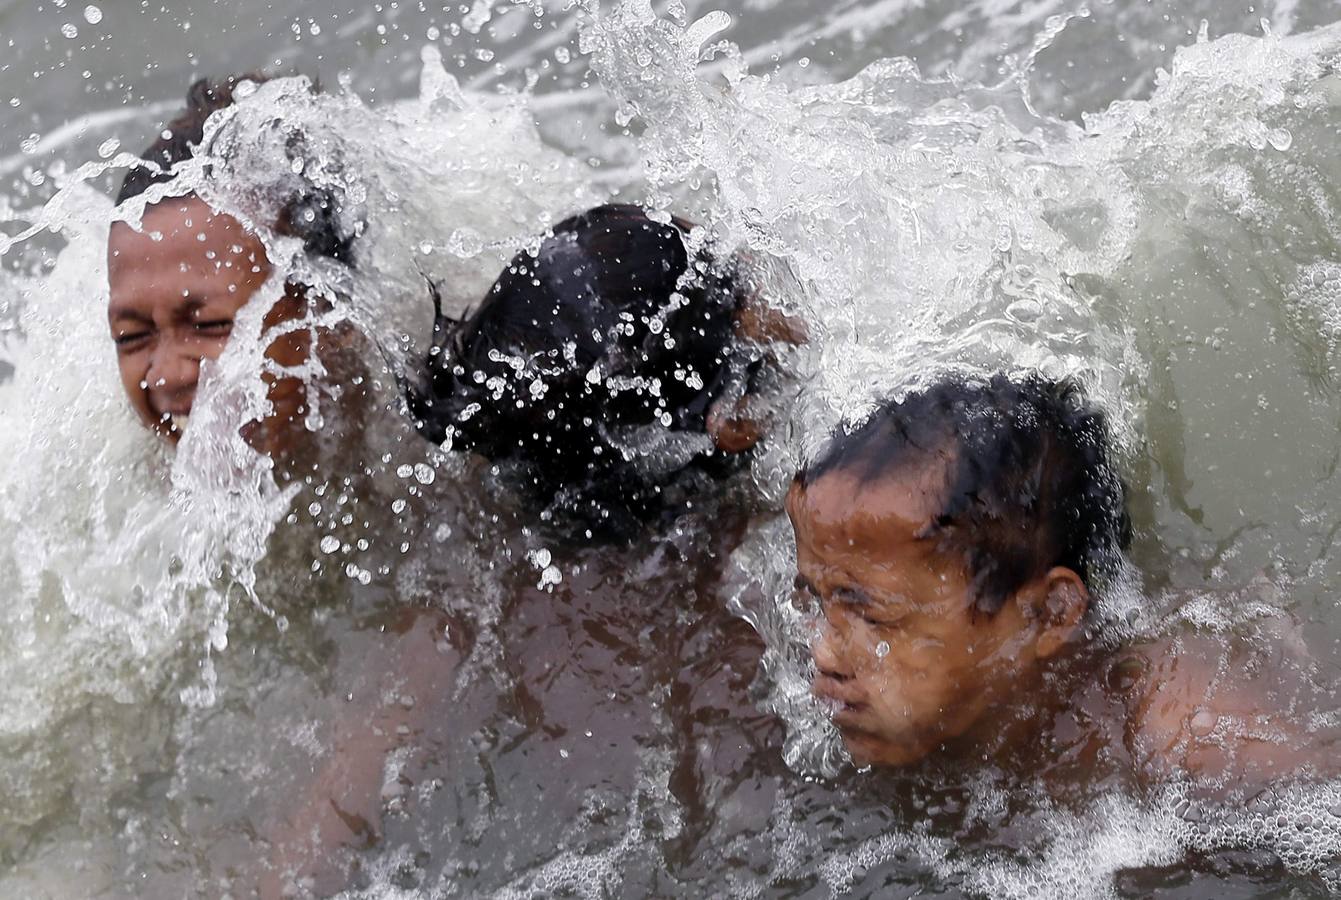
188 643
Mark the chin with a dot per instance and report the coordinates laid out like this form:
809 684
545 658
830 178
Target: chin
868 749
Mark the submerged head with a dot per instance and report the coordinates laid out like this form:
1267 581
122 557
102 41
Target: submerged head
598 369
177 283
952 541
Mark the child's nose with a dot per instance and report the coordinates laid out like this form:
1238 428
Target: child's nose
828 650
173 367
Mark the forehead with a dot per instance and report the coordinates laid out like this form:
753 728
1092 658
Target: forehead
882 517
182 229
183 251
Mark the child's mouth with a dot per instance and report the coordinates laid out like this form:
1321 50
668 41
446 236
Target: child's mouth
830 705
835 697
839 711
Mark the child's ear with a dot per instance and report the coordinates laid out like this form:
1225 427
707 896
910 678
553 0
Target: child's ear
1063 604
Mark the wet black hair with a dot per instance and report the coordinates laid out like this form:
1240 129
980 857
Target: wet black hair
1028 483
590 367
312 215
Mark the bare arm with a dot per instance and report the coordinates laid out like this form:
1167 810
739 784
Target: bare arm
340 810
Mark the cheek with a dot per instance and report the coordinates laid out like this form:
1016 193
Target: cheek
916 674
134 371
211 348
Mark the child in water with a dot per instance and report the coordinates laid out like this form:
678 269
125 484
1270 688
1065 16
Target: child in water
613 373
177 283
954 542
614 378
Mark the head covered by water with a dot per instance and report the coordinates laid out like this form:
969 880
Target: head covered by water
312 216
597 368
177 282
1024 477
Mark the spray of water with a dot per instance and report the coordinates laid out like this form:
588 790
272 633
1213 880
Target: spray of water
1176 255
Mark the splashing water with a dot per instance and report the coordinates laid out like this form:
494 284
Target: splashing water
184 630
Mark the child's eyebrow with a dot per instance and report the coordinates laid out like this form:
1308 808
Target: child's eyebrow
854 597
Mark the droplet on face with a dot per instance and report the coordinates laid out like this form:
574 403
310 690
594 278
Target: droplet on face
882 649
1203 722
92 14
69 30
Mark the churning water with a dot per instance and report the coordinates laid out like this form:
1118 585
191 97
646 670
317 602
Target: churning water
194 645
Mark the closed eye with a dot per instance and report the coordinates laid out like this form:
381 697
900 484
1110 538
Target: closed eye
214 327
879 622
130 340
862 607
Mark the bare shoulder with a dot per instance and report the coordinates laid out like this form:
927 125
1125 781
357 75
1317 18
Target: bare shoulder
1229 709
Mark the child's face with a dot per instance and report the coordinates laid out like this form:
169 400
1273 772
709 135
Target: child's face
897 653
175 288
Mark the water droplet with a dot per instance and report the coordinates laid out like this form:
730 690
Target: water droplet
398 506
330 543
1024 310
426 247
1280 138
29 144
465 243
1203 722
92 14
69 30
108 147
882 649
700 32
803 62
424 474
562 55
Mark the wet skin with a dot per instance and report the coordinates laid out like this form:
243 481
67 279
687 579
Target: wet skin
1021 686
899 654
175 288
